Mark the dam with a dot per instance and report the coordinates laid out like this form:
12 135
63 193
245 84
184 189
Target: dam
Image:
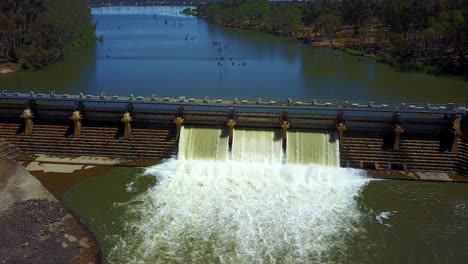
391 139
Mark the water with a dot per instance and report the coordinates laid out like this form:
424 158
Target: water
257 146
251 210
203 144
230 212
140 54
309 147
248 209
249 206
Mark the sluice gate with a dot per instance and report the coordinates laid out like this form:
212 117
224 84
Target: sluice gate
380 137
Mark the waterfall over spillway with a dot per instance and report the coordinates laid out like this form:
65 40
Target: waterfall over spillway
312 147
257 146
202 144
250 207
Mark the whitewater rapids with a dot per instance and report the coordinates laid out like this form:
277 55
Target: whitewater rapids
237 212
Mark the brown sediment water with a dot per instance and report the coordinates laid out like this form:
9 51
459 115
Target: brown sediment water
58 173
57 183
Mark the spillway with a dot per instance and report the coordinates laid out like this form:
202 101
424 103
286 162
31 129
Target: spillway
248 208
257 146
202 144
313 147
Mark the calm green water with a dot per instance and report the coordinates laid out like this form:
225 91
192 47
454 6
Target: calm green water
139 53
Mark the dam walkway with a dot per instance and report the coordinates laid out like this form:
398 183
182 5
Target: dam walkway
395 138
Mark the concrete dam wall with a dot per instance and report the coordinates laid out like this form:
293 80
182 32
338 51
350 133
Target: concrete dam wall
369 136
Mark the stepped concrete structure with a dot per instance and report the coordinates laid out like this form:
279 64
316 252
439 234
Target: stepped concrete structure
378 137
9 150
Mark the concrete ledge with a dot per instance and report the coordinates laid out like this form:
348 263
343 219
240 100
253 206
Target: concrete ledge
418 176
35 227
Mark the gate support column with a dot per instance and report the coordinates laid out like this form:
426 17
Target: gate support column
341 129
76 118
340 126
231 123
28 121
456 131
285 127
397 131
126 119
178 122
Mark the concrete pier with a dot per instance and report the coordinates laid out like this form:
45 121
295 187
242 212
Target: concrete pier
404 137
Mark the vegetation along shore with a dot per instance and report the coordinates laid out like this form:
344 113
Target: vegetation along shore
411 35
37 33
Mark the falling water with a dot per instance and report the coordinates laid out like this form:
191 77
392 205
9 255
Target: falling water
202 144
257 146
310 147
249 209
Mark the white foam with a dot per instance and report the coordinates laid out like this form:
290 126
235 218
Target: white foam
206 211
384 216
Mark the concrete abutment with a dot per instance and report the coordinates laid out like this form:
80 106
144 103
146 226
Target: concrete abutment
418 139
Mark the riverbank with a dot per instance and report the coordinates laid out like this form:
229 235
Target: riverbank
436 48
347 43
35 227
7 68
43 33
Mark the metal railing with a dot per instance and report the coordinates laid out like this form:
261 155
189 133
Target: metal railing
242 104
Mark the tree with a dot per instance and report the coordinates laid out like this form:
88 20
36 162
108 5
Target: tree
39 32
285 19
330 25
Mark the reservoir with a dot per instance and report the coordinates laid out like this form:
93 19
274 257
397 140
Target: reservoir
253 203
156 50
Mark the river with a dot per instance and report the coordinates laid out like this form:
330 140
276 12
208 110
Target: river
140 53
242 207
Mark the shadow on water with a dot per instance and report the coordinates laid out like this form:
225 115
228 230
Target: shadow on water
78 70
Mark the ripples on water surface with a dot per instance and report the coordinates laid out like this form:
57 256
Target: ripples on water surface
141 54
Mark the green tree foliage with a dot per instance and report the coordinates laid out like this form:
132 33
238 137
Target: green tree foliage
285 19
35 33
406 33
253 14
329 24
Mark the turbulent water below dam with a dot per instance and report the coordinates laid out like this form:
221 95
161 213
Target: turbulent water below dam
256 204
247 205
